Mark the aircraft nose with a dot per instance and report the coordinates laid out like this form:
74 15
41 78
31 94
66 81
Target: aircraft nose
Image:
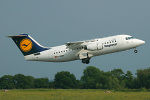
140 42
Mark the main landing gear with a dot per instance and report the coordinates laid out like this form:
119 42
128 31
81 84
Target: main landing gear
86 60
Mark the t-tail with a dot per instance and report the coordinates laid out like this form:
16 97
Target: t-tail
27 44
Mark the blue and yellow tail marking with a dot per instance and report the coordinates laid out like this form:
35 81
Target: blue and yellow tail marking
27 44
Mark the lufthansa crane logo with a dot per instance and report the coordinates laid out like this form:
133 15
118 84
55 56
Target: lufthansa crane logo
26 45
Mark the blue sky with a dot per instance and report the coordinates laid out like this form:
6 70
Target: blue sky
55 22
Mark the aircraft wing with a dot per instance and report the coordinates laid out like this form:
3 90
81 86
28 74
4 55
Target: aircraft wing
74 45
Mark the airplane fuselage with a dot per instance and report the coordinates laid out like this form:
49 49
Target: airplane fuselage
84 50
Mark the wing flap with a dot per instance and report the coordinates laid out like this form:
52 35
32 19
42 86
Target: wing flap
74 45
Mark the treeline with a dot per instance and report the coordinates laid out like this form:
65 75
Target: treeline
92 78
21 81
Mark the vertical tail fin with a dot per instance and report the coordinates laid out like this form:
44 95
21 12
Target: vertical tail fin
27 44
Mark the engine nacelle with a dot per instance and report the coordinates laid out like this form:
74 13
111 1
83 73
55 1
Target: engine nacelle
94 46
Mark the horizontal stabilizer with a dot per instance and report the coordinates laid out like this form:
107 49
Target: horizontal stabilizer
16 36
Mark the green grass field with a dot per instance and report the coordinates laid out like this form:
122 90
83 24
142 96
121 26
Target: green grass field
71 94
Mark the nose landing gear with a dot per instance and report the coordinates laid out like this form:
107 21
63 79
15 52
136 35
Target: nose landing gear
135 51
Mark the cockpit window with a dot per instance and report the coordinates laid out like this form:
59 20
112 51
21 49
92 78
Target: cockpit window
129 38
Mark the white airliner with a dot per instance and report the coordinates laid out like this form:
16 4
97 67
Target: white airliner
80 50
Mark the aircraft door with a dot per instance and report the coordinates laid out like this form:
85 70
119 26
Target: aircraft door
99 46
51 55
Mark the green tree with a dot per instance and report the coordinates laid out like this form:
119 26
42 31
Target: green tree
7 82
114 83
41 83
144 77
91 71
65 80
23 82
51 85
129 80
118 73
136 83
129 76
93 78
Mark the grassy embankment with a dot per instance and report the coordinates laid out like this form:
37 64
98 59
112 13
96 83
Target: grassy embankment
71 94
